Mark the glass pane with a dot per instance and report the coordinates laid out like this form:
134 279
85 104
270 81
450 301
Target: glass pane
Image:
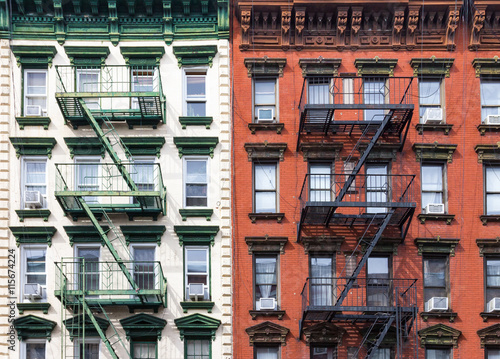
35 350
432 178
429 91
493 354
88 81
196 202
35 172
143 173
493 179
40 279
266 352
378 267
195 86
197 261
265 177
196 171
381 353
437 353
36 83
196 190
144 350
431 197
198 349
434 272
265 92
490 93
265 202
142 80
493 204
196 109
493 273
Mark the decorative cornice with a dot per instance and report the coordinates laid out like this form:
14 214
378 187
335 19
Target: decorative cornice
434 151
144 146
324 244
34 306
439 334
30 235
432 66
197 146
265 66
84 234
448 218
33 213
484 66
24 121
266 244
381 151
320 66
143 326
196 212
254 127
34 56
87 55
321 150
84 146
267 333
376 66
487 152
195 55
195 121
324 333
197 305
490 335
197 325
488 246
196 234
384 245
266 151
33 146
78 329
142 56
143 234
436 245
32 327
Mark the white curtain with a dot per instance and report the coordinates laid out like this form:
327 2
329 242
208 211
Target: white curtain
267 353
432 185
321 281
266 273
437 354
320 180
319 93
492 185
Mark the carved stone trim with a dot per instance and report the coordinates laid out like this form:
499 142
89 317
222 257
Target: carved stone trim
483 128
488 246
254 217
432 66
434 151
266 244
267 333
448 218
490 335
446 128
254 127
376 66
477 26
320 66
489 218
320 151
485 66
436 245
266 151
267 313
324 333
439 334
438 315
381 151
329 244
384 245
265 66
487 153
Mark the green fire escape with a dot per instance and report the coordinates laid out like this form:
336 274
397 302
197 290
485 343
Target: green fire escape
101 97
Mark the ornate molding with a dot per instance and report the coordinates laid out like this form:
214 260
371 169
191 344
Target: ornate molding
87 55
266 151
490 335
267 313
24 121
267 333
266 244
142 56
324 333
477 26
144 146
254 217
30 235
31 327
487 153
77 329
432 66
320 66
33 146
384 245
197 325
84 234
143 326
439 334
142 234
84 146
486 66
198 146
254 127
196 212
33 213
196 234
376 66
321 150
448 218
488 246
381 151
195 121
265 66
195 55
422 127
329 244
436 245
438 315
34 56
434 151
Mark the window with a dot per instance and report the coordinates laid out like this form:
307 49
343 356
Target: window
144 349
378 282
438 353
265 109
429 95
377 186
433 180
195 97
87 349
320 182
87 176
267 352
381 353
33 349
195 182
34 187
265 179
88 268
318 90
490 98
436 281
34 273
142 81
492 279
266 282
197 267
492 353
143 175
35 92
374 93
198 349
87 80
144 266
492 190
321 352
321 277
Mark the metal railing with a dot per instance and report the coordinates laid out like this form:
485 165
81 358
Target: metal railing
360 92
321 293
377 190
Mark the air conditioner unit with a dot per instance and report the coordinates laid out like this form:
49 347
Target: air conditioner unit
33 291
492 120
433 115
196 290
33 110
434 208
265 114
436 303
494 305
33 199
267 303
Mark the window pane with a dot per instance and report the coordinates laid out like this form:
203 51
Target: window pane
196 171
429 92
265 177
378 267
493 179
493 354
196 260
196 109
195 86
35 265
198 349
265 202
382 353
35 350
142 80
493 204
35 172
437 353
432 178
490 93
36 83
434 272
265 278
267 352
265 92
493 273
144 350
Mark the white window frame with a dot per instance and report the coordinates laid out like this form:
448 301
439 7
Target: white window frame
276 256
153 246
450 356
186 282
90 340
88 160
421 100
25 90
24 271
495 80
142 160
276 190
154 74
24 350
313 81
185 183
93 102
194 71
373 96
274 105
258 347
77 263
489 191
24 173
444 197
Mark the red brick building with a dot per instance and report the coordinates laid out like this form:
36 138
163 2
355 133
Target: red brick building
366 179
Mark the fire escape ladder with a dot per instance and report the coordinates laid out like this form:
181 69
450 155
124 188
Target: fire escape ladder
384 324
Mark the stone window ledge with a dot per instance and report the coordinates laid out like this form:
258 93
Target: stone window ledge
254 127
489 218
267 313
33 213
451 316
488 315
482 128
423 127
197 305
195 121
22 307
254 217
195 212
33 121
448 218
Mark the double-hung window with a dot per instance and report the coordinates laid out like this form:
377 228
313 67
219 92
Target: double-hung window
195 182
143 175
438 353
318 90
323 352
492 353
198 349
34 183
142 81
264 98
433 187
492 190
33 349
35 92
381 353
321 280
492 280
267 352
436 282
34 273
378 281
377 187
197 273
430 100
320 182
265 184
195 96
374 93
490 100
266 281
87 176
144 266
87 81
142 349
87 349
87 268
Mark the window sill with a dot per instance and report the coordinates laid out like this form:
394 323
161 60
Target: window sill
278 127
185 213
278 217
438 315
33 121
195 121
33 213
421 127
267 313
448 218
482 128
44 307
487 315
489 218
197 305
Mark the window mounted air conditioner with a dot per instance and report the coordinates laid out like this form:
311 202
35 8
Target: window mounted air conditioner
33 110
436 303
33 291
265 114
433 116
492 120
494 305
196 290
267 303
434 208
33 199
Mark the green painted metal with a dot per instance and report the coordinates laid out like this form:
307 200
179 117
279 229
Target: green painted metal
197 305
87 55
84 234
31 326
33 121
144 146
33 213
80 325
36 306
84 146
197 325
195 212
34 56
143 326
141 56
26 235
141 234
33 146
197 146
196 234
115 336
195 55
195 121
